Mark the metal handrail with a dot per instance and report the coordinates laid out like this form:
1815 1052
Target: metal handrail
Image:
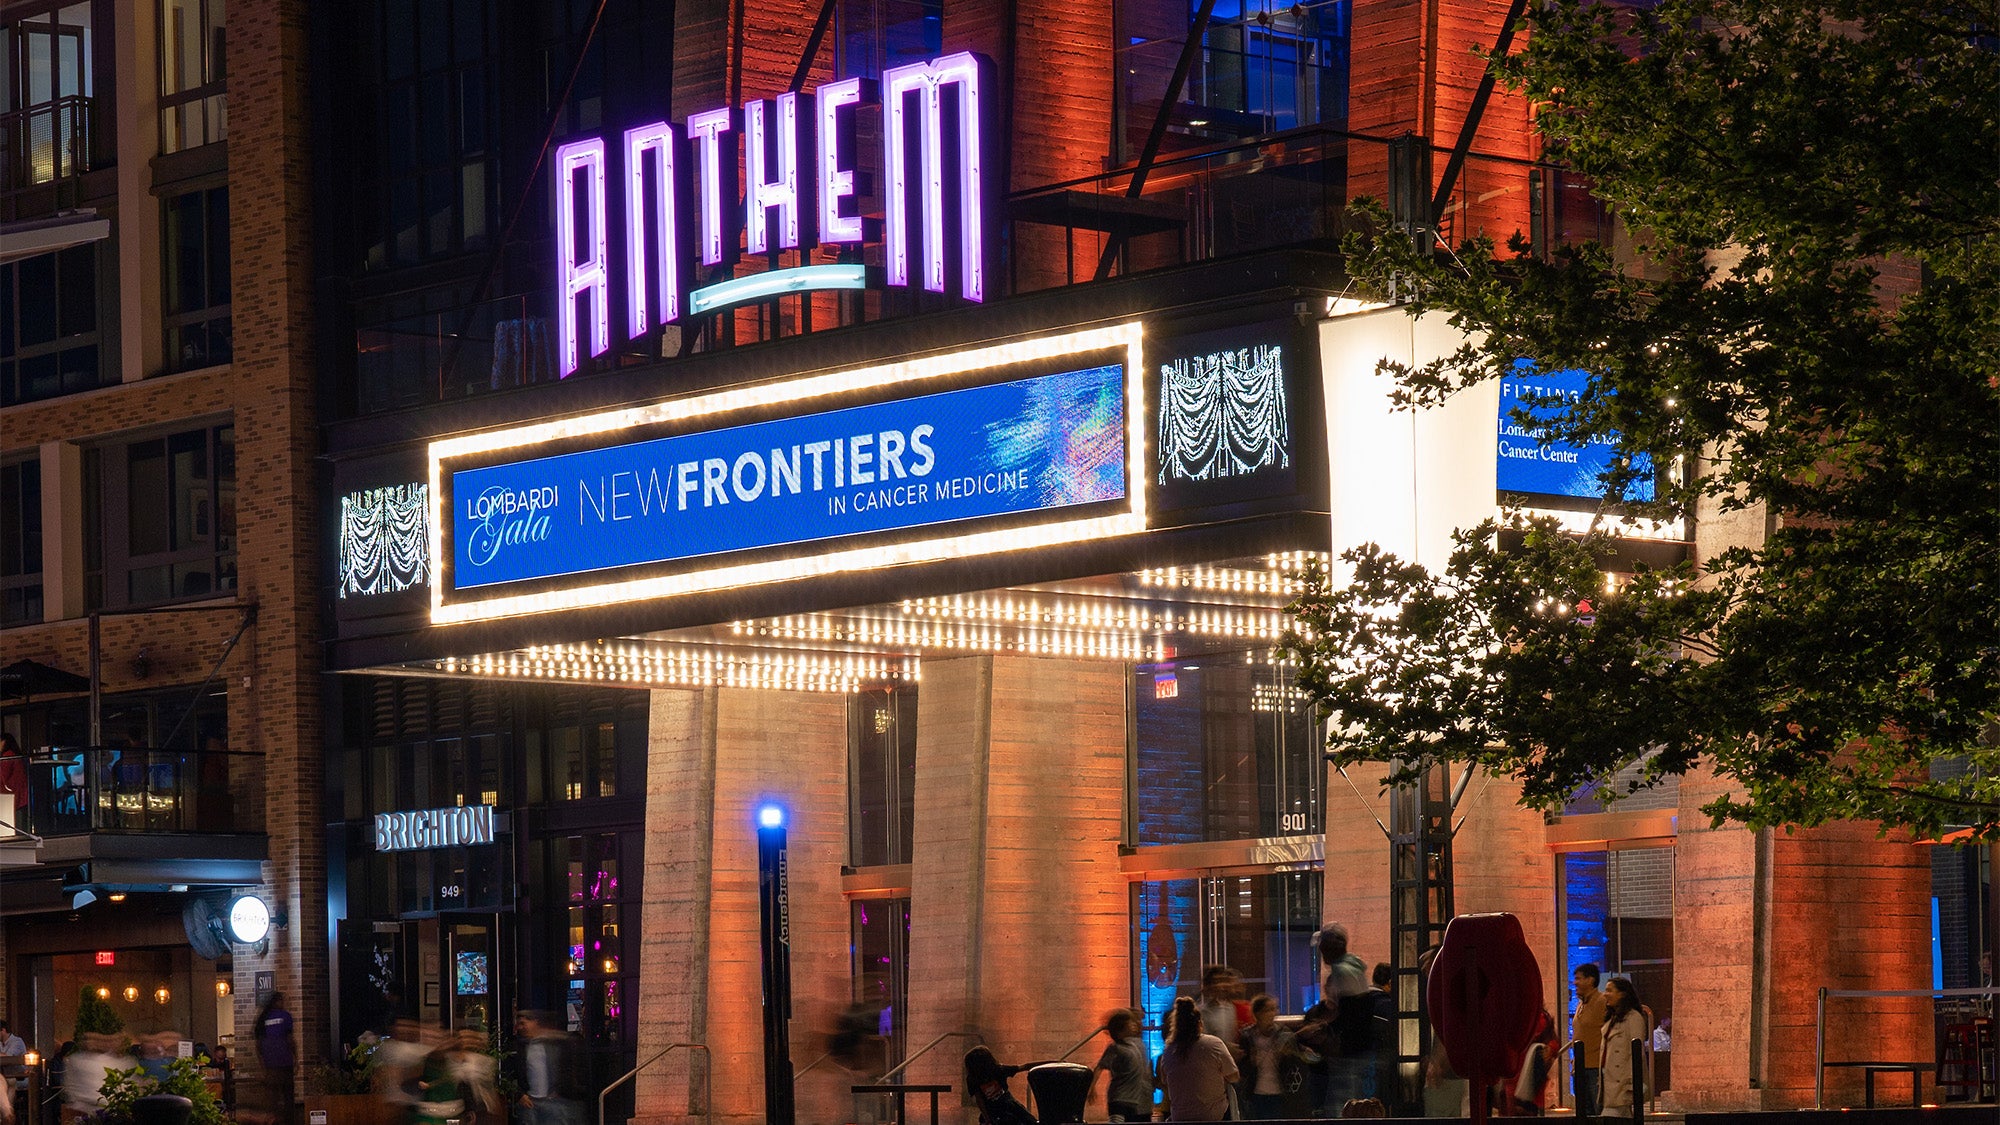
707 1085
922 1051
1095 1032
802 1072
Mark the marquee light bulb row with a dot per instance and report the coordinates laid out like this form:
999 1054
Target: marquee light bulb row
1279 580
962 638
643 666
1201 623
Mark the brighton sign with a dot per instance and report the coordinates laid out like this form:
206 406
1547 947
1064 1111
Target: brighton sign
682 204
456 827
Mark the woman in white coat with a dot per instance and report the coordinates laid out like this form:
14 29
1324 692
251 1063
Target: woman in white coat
1624 1025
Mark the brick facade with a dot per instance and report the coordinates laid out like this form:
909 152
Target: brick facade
267 391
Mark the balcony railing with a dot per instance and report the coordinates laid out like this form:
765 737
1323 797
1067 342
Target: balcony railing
1284 189
74 790
1272 191
46 143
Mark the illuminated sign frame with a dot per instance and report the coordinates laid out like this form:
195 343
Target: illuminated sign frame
248 920
918 375
793 180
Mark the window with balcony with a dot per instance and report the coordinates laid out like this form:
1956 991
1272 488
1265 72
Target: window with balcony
46 68
195 261
20 541
49 334
873 35
161 524
194 108
1264 66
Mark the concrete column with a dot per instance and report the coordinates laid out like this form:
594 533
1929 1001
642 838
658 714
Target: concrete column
62 531
789 748
1019 914
673 930
136 42
718 754
1355 887
1500 862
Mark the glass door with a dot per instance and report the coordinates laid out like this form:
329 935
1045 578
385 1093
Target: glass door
1260 924
471 971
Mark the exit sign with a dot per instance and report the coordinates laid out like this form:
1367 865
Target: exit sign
107 957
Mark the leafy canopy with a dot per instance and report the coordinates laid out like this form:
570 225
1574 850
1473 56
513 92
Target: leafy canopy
1776 163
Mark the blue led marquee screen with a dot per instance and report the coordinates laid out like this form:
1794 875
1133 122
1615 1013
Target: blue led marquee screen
1032 445
1554 468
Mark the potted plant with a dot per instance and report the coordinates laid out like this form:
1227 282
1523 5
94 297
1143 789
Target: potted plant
123 1088
344 1091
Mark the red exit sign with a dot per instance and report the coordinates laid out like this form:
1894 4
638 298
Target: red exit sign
107 957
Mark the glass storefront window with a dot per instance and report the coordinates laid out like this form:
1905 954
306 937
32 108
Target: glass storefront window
1618 913
882 767
1225 749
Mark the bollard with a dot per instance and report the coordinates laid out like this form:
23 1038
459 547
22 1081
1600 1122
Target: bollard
1061 1089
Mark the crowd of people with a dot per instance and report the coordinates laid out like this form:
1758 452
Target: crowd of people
1228 1058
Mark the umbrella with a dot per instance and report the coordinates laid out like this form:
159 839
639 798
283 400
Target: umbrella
25 678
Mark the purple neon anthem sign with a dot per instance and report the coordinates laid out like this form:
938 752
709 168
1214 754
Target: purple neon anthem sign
683 206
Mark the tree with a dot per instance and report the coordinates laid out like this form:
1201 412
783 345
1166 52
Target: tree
95 1017
1772 160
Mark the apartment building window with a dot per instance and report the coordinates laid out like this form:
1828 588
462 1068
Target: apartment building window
195 258
162 520
46 67
20 541
194 107
433 161
49 334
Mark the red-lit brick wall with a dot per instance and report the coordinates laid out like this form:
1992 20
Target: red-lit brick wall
1848 910
1414 70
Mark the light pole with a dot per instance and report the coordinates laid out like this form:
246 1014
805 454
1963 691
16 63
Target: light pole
774 912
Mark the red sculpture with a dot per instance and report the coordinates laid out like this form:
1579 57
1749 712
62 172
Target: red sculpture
1485 993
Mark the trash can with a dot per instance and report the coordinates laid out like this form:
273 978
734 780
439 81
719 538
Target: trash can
162 1109
1060 1089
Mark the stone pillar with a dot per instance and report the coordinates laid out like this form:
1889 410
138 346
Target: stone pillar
62 531
1019 913
716 755
275 707
673 931
1355 886
1848 909
1501 862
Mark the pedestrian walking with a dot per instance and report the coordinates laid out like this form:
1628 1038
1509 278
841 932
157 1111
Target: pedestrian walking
1269 1061
549 1083
1624 1025
277 1051
1129 1095
1587 1031
986 1080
